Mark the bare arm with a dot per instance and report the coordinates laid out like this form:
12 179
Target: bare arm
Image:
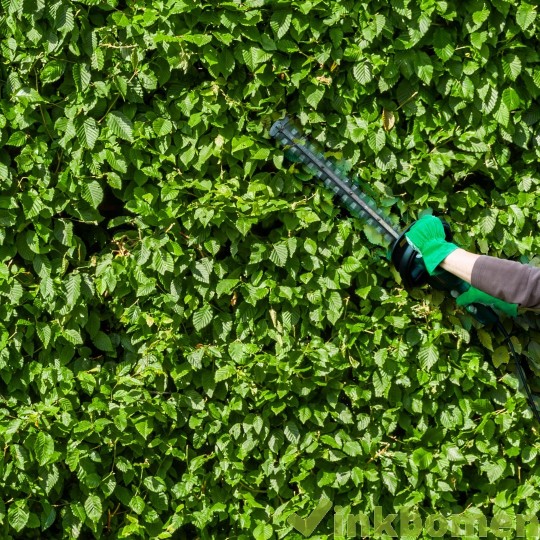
460 263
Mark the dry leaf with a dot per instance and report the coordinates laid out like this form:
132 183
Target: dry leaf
388 119
324 80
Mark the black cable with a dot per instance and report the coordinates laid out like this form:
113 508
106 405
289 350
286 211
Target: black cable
521 372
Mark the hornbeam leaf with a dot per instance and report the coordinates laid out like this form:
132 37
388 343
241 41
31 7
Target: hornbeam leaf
18 515
428 356
162 126
279 254
253 56
198 39
224 372
43 447
87 132
45 333
73 336
120 125
52 71
92 193
502 114
488 221
64 20
103 342
280 23
362 72
81 76
202 317
494 470
93 508
526 15
263 531
73 288
511 64
491 99
511 99
313 95
162 261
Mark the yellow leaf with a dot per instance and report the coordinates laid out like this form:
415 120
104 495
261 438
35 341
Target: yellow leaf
388 119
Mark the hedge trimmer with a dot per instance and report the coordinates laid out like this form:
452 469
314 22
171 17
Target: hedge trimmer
405 258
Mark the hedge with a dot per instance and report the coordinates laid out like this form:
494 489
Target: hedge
196 341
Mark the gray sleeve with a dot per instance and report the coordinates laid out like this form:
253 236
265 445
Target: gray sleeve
508 280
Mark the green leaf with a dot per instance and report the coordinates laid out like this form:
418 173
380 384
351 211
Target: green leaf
82 76
500 356
291 432
280 23
314 94
93 508
453 453
526 15
92 193
73 288
18 515
64 20
495 470
162 126
52 71
162 261
253 56
137 504
103 342
511 99
502 114
424 67
32 205
73 336
225 286
362 72
198 39
377 140
428 356
241 143
263 531
45 333
488 221
202 317
145 427
87 132
511 64
490 97
43 447
390 480
443 44
225 372
422 458
279 254
203 270
120 125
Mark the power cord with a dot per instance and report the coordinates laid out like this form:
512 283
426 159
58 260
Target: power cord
519 367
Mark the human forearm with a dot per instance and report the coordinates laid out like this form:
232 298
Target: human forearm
460 263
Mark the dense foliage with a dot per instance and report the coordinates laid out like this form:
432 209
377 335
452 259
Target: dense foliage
195 340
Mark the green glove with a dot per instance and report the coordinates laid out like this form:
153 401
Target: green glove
476 296
428 238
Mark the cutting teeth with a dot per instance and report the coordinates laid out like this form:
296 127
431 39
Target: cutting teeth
357 202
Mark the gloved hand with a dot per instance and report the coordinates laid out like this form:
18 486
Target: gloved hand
428 238
476 296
